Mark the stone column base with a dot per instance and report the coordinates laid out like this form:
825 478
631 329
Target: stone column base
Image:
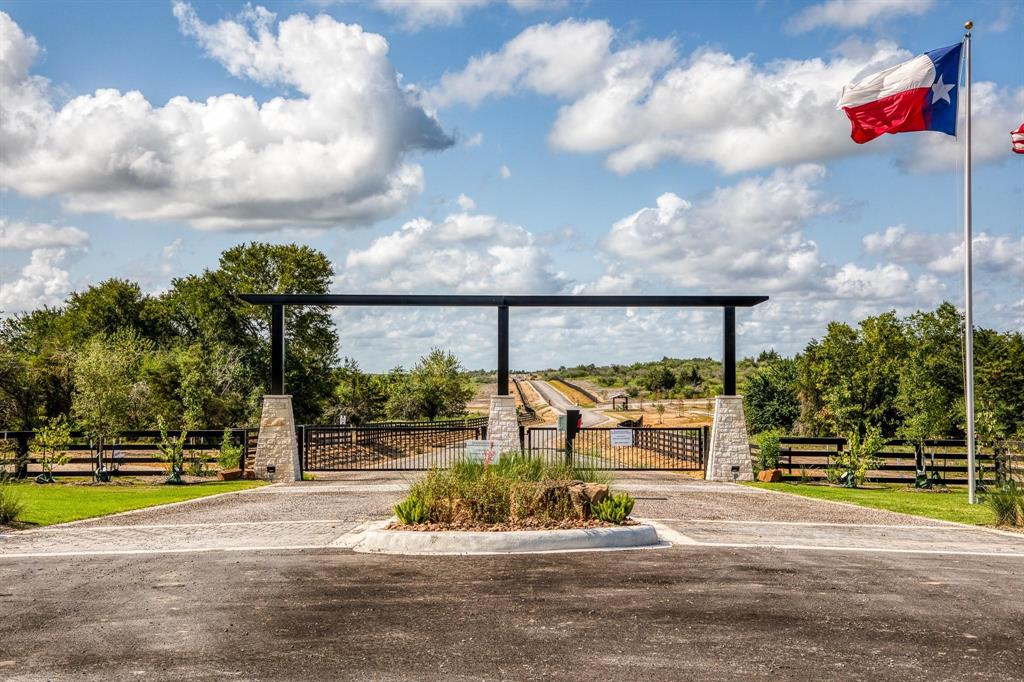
277 450
730 446
503 424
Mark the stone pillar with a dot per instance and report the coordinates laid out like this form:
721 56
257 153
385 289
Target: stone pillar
503 424
729 443
277 447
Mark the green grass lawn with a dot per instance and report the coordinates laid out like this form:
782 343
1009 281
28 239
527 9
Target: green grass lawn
60 502
948 506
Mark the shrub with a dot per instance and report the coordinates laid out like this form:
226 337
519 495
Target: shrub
769 448
172 452
1007 504
51 443
230 454
851 465
514 488
411 511
614 509
11 504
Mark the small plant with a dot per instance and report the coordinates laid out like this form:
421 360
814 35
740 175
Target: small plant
51 444
8 460
230 454
306 476
11 504
613 509
1007 504
411 511
172 451
804 476
850 466
769 449
196 464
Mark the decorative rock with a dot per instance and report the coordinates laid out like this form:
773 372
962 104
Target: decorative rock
229 474
770 475
730 446
503 424
277 450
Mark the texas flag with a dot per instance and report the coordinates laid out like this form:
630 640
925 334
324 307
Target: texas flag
919 94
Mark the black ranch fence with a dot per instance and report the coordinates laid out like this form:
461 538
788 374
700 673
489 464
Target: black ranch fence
418 446
131 453
809 458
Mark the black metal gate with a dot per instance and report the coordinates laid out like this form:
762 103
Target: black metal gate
673 449
392 446
417 446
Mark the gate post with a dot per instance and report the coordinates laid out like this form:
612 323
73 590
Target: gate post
277 448
729 457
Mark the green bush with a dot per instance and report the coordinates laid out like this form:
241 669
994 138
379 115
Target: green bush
230 454
11 504
1007 505
411 511
516 487
614 509
851 465
769 448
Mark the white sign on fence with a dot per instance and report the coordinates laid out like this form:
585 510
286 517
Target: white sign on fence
622 438
482 450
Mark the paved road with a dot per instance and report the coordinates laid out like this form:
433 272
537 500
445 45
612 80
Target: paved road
560 403
262 585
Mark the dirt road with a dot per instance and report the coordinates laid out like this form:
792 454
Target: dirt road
560 403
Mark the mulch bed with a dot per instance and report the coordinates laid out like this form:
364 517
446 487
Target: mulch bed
519 524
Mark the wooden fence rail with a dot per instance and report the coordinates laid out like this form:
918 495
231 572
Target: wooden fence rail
810 458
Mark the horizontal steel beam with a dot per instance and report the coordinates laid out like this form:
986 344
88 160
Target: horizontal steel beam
510 301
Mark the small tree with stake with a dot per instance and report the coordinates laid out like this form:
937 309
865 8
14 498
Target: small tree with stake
172 450
51 444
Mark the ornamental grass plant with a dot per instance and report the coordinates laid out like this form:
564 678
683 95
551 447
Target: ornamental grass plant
516 490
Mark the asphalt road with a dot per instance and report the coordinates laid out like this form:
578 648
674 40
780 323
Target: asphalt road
560 403
263 585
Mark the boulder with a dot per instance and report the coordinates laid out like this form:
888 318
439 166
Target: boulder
229 474
769 475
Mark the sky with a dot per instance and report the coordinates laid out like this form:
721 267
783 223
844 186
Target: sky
519 146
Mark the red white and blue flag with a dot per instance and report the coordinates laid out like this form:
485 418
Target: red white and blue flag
919 94
1017 138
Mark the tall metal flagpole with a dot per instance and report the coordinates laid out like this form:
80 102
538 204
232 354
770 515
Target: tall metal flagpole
968 291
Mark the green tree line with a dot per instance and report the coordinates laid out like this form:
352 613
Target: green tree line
113 357
900 376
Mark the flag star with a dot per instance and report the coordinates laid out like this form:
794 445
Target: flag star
941 91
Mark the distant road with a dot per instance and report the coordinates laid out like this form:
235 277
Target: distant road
560 403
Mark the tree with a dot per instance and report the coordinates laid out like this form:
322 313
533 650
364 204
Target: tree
360 397
436 387
770 396
206 309
105 373
51 443
931 382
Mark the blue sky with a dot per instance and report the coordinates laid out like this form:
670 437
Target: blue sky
532 147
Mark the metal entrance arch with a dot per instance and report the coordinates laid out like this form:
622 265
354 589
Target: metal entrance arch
277 302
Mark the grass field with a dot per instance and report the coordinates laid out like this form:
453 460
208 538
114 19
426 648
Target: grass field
60 502
947 506
571 393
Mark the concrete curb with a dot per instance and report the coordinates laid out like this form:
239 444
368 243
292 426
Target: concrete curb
376 540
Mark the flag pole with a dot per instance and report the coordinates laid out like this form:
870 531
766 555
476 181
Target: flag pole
968 291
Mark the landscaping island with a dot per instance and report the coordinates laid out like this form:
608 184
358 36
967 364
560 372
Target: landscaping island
512 504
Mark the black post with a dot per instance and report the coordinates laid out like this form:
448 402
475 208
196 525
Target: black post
277 349
503 350
729 352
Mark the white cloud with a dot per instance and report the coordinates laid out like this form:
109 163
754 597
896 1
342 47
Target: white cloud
741 238
42 282
505 172
334 154
19 236
464 253
474 140
848 14
641 103
887 282
465 203
943 253
419 14
169 256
